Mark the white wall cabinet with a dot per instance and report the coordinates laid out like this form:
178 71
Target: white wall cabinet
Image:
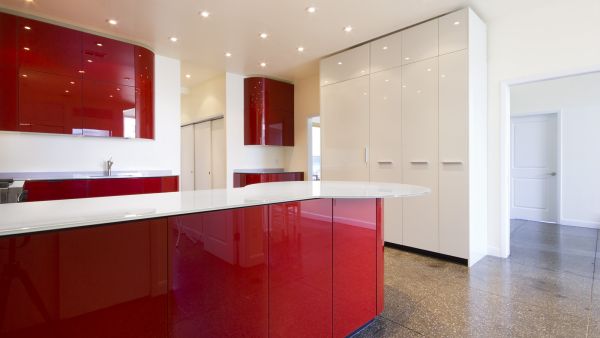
421 113
347 65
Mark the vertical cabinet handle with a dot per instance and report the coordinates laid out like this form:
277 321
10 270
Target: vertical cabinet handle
366 154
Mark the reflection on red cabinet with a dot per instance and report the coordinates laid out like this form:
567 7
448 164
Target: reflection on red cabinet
218 278
354 261
107 281
268 112
380 250
108 110
8 72
300 269
107 60
244 179
47 190
49 103
144 91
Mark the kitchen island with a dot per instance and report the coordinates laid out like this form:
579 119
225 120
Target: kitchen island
269 260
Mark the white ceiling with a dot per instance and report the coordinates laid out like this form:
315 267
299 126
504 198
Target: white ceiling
234 26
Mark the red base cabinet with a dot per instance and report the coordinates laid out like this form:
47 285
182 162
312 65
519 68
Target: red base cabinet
244 179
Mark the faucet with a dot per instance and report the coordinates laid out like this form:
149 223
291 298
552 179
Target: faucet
109 165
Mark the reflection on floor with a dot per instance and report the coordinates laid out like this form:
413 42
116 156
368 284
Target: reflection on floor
549 287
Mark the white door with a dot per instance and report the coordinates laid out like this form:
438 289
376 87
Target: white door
187 158
202 155
219 170
386 140
345 130
534 178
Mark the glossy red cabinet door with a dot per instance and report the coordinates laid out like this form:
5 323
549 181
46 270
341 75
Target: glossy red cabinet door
354 261
300 269
144 91
8 72
107 281
244 179
56 190
49 48
268 112
107 60
49 103
218 278
108 110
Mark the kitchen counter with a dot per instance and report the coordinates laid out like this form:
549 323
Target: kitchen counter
20 218
50 176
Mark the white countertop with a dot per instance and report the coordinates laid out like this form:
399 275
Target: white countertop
20 218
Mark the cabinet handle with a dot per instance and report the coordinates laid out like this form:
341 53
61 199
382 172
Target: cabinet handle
419 162
366 154
385 162
452 162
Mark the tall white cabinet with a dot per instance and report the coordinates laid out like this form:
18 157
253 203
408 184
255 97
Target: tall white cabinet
411 108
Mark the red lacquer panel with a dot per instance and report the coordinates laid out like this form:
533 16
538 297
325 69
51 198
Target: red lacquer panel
49 48
49 103
218 278
254 108
144 91
279 115
244 179
55 190
8 72
107 281
108 110
380 250
168 184
300 269
355 264
107 60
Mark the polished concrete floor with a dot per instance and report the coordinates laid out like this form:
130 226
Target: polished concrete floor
549 287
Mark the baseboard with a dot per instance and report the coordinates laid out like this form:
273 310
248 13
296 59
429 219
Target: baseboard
580 223
428 253
494 251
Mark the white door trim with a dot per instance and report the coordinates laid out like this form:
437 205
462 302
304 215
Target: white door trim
504 250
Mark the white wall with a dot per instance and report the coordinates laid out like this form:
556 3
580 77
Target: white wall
536 38
204 100
306 104
27 152
578 100
240 156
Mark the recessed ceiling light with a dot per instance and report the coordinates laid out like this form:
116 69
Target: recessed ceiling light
67 91
300 49
113 22
173 39
188 76
72 82
456 23
27 28
118 89
384 47
311 9
348 29
99 44
89 60
407 58
26 48
205 14
228 55
111 95
264 35
428 69
81 71
263 64
387 80
24 75
29 1
443 75
340 63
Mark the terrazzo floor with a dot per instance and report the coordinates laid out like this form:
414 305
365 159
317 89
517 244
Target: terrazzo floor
548 287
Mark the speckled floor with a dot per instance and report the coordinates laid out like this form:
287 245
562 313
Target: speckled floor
549 287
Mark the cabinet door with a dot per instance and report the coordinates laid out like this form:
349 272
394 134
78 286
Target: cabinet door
354 260
8 72
454 31
202 156
386 143
420 152
49 48
345 130
420 42
346 65
187 158
279 114
108 110
108 60
300 269
453 145
49 103
218 150
144 92
386 52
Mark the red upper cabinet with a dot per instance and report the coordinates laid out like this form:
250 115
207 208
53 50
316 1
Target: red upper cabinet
144 92
268 112
8 72
108 60
108 110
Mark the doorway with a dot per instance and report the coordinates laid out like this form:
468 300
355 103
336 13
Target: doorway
314 148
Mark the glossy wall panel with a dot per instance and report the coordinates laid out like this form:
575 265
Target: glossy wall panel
8 73
144 92
254 107
300 269
107 60
218 278
355 256
108 110
107 281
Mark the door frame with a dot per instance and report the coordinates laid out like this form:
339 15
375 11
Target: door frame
559 164
504 249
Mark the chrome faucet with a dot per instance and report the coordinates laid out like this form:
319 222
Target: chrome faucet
109 165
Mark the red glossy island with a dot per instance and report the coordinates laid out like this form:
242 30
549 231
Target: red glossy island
289 259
